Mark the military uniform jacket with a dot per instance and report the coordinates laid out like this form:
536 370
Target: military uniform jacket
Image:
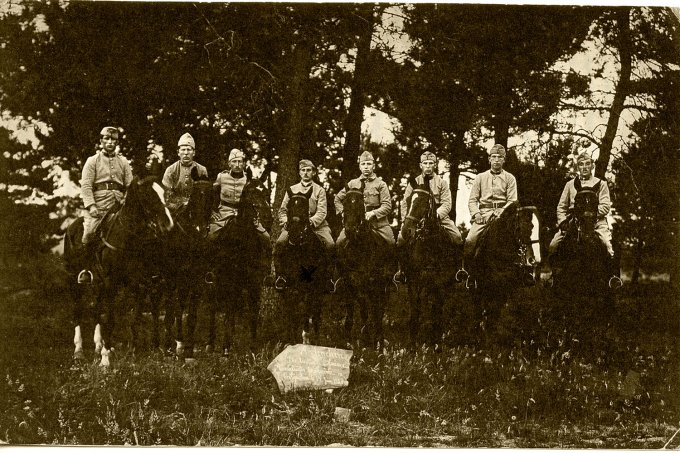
230 187
440 190
317 204
488 189
569 193
101 168
376 198
178 182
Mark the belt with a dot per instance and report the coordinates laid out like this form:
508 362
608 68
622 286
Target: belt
109 185
229 205
492 205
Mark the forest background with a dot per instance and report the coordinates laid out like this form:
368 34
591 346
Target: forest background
290 81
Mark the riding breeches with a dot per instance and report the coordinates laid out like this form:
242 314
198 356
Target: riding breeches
323 233
104 200
384 232
450 229
476 229
602 231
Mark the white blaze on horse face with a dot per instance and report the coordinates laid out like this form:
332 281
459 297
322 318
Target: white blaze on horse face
161 194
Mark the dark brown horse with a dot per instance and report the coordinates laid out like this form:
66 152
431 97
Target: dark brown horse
430 260
502 262
184 267
129 241
237 266
303 270
366 266
581 264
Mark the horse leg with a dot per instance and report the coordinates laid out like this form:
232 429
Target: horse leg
254 309
106 323
212 311
229 325
192 316
349 314
78 308
414 306
378 308
181 349
155 295
436 311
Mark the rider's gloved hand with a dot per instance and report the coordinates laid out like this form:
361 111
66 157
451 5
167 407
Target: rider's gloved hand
478 219
94 212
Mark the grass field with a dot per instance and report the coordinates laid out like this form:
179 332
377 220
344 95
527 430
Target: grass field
557 374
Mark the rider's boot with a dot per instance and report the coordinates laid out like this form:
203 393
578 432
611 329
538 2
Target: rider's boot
402 257
614 273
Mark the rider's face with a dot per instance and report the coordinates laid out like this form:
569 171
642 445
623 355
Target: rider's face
236 164
427 167
367 167
109 142
496 161
306 174
186 154
585 168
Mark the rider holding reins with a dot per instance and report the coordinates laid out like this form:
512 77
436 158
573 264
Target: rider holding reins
105 178
492 191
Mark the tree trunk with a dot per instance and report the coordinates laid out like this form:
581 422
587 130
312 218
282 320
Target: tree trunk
455 152
294 101
355 114
501 129
622 87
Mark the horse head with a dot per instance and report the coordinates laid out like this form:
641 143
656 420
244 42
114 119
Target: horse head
354 212
585 210
298 216
254 205
421 219
145 203
195 217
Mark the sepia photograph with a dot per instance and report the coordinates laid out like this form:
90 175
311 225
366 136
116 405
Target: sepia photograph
339 225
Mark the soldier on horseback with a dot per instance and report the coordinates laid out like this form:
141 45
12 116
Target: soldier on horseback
177 178
105 178
317 210
377 200
442 196
230 184
585 180
492 191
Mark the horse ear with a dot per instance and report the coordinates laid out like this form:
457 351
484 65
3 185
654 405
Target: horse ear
249 173
194 173
412 180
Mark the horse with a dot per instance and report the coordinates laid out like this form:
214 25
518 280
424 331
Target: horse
366 267
236 266
184 268
581 264
129 239
303 269
502 262
429 260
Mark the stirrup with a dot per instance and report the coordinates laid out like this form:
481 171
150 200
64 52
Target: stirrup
462 275
280 283
615 282
85 277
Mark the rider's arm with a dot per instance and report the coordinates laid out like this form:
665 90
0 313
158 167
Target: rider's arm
475 195
321 208
283 210
87 182
407 198
511 190
339 198
385 202
605 203
564 204
445 199
127 172
167 180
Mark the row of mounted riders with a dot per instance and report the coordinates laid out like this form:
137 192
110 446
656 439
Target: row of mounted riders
142 244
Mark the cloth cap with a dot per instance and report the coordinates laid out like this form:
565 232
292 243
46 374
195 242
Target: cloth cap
497 149
186 139
427 155
109 130
236 154
365 157
585 155
306 163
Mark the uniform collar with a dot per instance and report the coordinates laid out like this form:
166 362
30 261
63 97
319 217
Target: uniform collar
371 177
189 165
496 173
306 184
